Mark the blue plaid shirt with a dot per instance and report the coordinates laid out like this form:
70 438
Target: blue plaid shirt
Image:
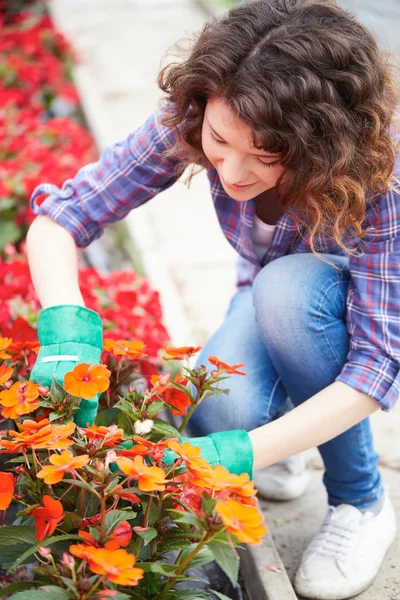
131 172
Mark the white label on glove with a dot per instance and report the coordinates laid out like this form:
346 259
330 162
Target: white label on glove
60 358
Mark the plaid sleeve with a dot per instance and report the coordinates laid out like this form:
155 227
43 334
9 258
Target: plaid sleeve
126 176
373 307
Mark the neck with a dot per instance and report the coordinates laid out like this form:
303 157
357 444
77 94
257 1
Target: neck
267 207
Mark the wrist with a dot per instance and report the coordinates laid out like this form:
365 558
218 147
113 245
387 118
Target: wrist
70 323
235 451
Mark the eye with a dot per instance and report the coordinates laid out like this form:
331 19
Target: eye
212 136
273 164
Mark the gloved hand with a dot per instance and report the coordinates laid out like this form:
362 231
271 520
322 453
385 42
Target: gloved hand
231 449
68 335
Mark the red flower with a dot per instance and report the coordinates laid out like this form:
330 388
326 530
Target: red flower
48 517
7 481
178 399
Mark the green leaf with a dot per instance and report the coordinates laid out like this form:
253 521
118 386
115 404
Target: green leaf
115 517
154 408
19 585
190 595
9 233
71 521
204 557
187 518
57 391
169 545
42 593
8 554
157 567
226 558
46 542
219 595
17 534
147 535
107 417
6 203
164 428
83 484
208 503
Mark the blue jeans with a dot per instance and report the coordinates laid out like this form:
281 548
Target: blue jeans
290 331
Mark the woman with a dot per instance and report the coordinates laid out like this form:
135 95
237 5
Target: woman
289 106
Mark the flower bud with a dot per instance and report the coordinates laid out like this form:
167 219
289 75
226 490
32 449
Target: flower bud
8 384
19 496
44 551
100 466
67 560
111 457
43 390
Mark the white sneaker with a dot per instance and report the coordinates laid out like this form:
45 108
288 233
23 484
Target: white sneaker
285 480
344 557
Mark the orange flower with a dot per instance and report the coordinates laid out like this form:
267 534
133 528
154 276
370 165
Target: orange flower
63 463
7 481
20 399
181 353
245 522
5 373
190 454
120 537
130 350
48 517
117 565
86 381
20 349
4 344
82 551
40 435
218 478
126 494
178 398
149 478
108 436
58 438
160 384
223 367
144 447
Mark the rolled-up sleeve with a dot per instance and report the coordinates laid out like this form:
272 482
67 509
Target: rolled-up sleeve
126 176
373 307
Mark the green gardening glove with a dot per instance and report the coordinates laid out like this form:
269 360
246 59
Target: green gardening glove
68 335
230 449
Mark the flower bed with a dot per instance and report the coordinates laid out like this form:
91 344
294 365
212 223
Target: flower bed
102 507
35 144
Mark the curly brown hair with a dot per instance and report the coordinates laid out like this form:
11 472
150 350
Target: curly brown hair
313 85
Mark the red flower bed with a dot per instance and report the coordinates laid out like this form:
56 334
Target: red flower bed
35 145
128 306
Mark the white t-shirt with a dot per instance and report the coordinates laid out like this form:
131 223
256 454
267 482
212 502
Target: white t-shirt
261 235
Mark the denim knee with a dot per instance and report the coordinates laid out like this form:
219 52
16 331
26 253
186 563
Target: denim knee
298 288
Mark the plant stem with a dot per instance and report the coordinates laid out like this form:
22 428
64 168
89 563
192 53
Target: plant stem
187 417
102 519
94 587
182 566
82 503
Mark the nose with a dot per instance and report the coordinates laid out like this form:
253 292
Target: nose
234 171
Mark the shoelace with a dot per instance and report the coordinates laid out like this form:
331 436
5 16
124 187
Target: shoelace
335 539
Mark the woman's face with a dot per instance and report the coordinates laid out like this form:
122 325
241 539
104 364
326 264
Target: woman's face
244 171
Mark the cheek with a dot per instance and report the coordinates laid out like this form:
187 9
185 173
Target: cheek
268 175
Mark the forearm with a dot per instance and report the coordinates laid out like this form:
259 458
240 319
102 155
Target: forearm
318 420
53 263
